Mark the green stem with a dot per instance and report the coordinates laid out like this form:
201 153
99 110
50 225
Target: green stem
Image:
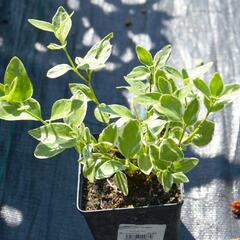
181 138
166 131
190 137
150 86
152 79
136 112
73 65
89 75
87 80
36 117
93 93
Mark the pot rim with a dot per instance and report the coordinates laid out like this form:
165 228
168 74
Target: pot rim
78 200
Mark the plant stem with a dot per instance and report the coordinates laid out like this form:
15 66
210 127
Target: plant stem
152 79
190 137
181 138
89 75
166 132
73 65
93 93
87 80
36 117
136 112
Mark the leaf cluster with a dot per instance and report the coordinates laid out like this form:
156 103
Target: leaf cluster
150 137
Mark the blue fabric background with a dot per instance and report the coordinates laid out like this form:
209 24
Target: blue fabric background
38 197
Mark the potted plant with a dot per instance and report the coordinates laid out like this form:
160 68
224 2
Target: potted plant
132 172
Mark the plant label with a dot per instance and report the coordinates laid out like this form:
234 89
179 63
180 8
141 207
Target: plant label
143 232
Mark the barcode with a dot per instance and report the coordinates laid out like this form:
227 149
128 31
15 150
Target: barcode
141 232
148 236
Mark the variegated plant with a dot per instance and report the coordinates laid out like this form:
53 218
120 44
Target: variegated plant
151 143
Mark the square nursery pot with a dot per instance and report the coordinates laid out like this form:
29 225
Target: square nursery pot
142 223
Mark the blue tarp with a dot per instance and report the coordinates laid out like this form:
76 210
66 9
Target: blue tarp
38 197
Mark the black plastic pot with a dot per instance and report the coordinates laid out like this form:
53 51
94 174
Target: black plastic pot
142 223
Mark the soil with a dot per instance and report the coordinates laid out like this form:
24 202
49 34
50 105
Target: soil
143 191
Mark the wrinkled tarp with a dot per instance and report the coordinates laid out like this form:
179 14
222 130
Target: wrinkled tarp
38 197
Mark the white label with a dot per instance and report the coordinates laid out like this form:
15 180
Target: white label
141 232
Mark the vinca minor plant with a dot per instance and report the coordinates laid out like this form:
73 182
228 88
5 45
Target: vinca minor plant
152 143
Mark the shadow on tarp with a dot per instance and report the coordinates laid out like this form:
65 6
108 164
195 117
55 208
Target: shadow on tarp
38 197
184 233
209 169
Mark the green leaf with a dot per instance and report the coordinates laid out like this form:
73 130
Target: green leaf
199 71
158 163
171 107
99 53
217 106
162 56
150 137
101 116
85 153
61 109
164 86
202 87
144 56
173 84
136 87
120 179
44 151
86 134
213 106
78 111
180 177
184 92
160 73
17 81
148 98
62 24
216 85
166 180
85 64
45 26
191 113
139 73
34 107
131 168
145 163
13 112
174 72
185 165
108 134
103 147
90 167
2 90
154 129
75 87
108 168
116 111
129 138
230 93
176 132
6 90
54 46
58 70
55 133
204 134
156 126
170 151
185 74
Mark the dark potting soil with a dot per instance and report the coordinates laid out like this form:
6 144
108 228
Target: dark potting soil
143 191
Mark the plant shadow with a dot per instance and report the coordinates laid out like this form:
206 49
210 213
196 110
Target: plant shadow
212 168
